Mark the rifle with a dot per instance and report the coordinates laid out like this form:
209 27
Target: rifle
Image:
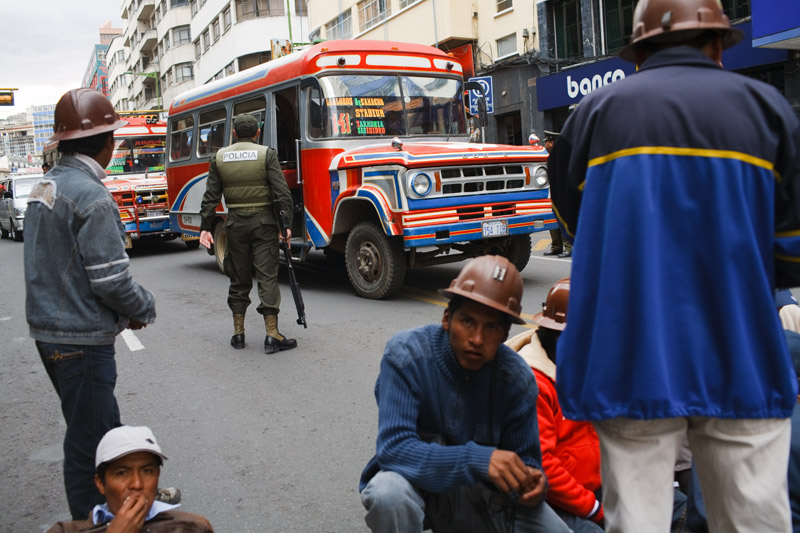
287 251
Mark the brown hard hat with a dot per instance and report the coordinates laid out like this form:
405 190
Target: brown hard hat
82 113
663 21
491 280
554 310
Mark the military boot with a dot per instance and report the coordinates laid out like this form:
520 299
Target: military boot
275 342
237 341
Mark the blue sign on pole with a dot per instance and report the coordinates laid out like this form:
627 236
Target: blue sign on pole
486 82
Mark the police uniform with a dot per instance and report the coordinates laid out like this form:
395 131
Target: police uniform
558 244
249 177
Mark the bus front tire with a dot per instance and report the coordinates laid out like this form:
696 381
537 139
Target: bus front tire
376 264
518 250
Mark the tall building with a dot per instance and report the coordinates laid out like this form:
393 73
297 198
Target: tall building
169 46
96 75
42 125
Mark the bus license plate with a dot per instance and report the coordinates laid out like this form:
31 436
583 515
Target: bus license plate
494 228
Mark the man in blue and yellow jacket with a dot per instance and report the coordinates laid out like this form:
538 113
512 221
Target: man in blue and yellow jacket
680 183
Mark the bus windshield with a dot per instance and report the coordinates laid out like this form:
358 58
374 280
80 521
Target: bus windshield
368 105
136 155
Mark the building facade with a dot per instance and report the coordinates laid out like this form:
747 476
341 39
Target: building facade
580 39
42 126
169 46
543 57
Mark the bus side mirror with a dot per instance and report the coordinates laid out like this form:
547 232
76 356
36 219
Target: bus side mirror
483 117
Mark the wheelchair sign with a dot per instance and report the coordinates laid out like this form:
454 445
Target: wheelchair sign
486 82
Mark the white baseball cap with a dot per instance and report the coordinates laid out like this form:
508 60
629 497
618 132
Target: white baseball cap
125 440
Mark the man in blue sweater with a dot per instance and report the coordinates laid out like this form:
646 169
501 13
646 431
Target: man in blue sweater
458 440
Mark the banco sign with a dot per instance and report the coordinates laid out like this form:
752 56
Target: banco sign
570 86
587 85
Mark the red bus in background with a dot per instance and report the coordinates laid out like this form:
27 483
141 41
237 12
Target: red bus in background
372 138
136 177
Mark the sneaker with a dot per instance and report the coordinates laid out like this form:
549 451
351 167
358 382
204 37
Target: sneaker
565 254
171 495
553 251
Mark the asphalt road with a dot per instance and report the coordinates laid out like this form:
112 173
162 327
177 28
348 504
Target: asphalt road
255 442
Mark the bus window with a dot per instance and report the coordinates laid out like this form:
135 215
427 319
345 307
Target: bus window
363 105
433 105
317 113
180 139
211 132
287 125
256 107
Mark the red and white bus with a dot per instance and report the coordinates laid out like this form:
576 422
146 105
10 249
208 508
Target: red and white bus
372 138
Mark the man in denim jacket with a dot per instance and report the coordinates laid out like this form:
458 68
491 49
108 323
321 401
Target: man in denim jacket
79 291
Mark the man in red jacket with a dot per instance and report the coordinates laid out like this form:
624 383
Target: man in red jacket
570 450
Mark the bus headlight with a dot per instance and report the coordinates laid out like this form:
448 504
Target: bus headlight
540 177
421 184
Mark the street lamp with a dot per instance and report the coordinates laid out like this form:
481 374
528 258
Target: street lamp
158 84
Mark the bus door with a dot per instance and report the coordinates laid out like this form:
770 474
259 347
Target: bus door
286 132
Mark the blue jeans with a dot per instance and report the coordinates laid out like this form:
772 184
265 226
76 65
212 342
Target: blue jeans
84 379
394 504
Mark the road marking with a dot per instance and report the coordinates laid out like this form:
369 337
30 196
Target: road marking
541 244
131 340
5 318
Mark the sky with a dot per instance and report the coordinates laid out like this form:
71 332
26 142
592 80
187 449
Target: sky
47 45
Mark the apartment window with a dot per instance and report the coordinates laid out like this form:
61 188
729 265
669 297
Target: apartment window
406 3
197 49
183 72
502 5
166 41
341 27
226 18
230 69
181 34
250 9
619 23
193 4
215 29
206 41
372 12
301 7
507 45
178 3
736 9
569 42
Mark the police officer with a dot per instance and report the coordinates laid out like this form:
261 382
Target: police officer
249 177
558 244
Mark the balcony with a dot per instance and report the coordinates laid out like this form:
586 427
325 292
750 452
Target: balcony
145 10
148 41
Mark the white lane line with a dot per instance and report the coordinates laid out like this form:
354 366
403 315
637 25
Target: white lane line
130 339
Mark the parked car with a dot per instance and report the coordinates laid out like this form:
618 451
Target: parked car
15 200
